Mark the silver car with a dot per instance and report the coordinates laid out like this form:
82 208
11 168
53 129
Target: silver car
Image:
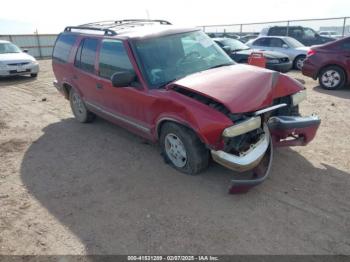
13 61
295 50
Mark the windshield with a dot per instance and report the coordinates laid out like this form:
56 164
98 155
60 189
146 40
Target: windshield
292 42
165 59
6 48
234 45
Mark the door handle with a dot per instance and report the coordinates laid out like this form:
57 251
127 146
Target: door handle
99 86
75 77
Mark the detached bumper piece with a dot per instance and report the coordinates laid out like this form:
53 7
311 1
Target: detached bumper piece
257 160
293 130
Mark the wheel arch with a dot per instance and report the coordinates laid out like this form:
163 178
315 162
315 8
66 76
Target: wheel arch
329 65
164 120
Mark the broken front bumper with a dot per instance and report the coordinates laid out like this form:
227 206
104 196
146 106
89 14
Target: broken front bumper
281 131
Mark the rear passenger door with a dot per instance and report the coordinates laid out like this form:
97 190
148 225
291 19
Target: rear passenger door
84 75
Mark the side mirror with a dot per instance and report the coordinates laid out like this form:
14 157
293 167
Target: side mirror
121 79
25 50
227 49
285 46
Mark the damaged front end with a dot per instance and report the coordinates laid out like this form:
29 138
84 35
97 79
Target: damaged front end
248 145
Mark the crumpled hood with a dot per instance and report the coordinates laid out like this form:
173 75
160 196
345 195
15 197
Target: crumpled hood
240 88
16 58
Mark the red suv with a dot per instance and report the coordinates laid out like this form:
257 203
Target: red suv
175 86
330 63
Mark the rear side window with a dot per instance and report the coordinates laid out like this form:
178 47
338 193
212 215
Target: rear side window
278 31
260 42
275 42
63 47
346 45
113 58
86 54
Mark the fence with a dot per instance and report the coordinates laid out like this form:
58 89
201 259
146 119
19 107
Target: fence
340 25
39 46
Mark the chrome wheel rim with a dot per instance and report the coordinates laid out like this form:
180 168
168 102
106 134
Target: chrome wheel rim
300 63
330 78
78 104
175 150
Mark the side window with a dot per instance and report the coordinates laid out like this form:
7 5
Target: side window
346 45
113 58
86 54
276 42
278 31
296 33
63 47
260 42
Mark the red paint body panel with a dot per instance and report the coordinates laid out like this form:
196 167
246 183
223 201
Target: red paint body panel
332 53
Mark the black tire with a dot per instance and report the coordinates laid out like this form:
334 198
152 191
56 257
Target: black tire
197 153
80 112
327 71
34 75
297 61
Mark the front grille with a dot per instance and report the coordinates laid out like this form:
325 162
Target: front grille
18 64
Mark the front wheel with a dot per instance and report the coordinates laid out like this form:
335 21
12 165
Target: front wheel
182 149
34 75
81 113
332 77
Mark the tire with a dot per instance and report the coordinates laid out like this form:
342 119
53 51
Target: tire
34 75
332 78
80 112
298 62
196 154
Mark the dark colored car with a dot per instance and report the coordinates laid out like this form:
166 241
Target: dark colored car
329 63
304 35
240 52
177 87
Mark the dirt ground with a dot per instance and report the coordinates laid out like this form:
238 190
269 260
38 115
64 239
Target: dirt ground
70 188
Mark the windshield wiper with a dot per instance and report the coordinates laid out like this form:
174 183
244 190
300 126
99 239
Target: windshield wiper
167 83
226 64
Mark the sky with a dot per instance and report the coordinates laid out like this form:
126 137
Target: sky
52 16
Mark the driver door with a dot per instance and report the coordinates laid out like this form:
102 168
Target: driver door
125 105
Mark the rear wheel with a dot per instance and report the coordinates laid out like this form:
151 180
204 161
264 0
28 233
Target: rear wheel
182 149
332 77
299 62
81 113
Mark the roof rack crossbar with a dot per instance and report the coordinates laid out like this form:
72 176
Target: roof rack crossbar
105 30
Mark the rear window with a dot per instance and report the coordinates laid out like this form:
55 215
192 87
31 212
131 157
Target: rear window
63 47
86 55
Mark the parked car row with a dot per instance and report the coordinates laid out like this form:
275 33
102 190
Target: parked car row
240 53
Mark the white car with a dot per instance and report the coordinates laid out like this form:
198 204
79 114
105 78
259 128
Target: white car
333 34
13 61
295 50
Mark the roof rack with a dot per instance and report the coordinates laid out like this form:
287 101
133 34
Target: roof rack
111 27
106 31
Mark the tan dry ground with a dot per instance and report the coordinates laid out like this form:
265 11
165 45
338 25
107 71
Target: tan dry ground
69 188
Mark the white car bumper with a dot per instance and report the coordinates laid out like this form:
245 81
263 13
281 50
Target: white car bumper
19 70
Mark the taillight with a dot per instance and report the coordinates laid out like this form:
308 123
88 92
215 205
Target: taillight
311 52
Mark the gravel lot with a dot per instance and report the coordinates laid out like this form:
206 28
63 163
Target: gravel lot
70 188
